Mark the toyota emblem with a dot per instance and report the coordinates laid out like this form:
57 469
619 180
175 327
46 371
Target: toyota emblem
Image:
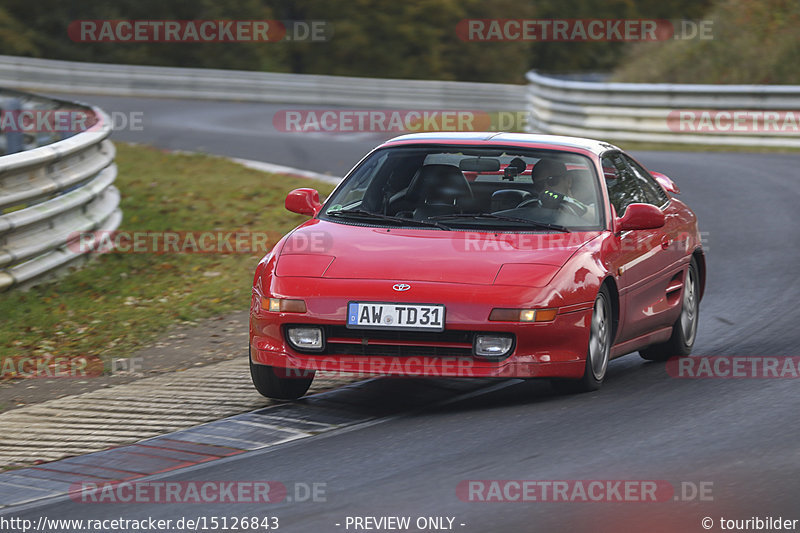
400 287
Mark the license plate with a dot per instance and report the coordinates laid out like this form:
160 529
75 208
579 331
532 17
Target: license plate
379 315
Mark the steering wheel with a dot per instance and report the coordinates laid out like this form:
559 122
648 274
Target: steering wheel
568 206
529 201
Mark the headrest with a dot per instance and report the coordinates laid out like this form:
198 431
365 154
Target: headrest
443 181
546 168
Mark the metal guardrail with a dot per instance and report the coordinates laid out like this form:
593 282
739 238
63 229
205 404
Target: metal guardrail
615 111
14 103
651 112
51 190
134 80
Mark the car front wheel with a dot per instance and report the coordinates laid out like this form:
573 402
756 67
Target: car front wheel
269 383
599 349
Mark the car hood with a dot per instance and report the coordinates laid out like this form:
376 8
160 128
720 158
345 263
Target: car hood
331 250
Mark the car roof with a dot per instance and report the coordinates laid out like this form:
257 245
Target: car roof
499 138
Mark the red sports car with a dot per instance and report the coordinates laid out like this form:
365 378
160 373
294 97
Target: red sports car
479 255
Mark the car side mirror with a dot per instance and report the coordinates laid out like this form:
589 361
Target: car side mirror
665 182
641 216
303 201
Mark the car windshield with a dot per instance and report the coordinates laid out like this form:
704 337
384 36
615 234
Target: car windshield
450 188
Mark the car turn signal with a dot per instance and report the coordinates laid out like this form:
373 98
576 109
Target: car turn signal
281 305
523 315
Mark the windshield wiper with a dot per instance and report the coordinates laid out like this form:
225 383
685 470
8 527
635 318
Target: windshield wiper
493 216
360 213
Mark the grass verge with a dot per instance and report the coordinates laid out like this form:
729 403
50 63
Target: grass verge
120 302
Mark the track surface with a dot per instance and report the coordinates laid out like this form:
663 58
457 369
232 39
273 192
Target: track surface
741 435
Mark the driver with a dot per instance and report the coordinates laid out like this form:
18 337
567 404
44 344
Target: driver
558 194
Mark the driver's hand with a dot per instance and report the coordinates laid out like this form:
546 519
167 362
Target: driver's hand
551 200
555 200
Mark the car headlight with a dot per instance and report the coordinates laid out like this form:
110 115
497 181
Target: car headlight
493 346
305 338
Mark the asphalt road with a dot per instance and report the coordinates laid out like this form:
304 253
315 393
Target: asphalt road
235 129
738 435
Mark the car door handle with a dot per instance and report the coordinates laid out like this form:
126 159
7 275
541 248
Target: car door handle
665 242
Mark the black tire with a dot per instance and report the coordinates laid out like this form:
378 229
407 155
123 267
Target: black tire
269 384
598 352
684 331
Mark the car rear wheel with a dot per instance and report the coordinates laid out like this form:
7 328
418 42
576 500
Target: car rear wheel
684 331
598 352
268 383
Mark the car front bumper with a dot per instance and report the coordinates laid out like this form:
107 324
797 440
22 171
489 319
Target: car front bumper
546 349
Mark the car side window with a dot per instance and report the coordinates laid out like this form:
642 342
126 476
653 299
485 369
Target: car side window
652 190
623 186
